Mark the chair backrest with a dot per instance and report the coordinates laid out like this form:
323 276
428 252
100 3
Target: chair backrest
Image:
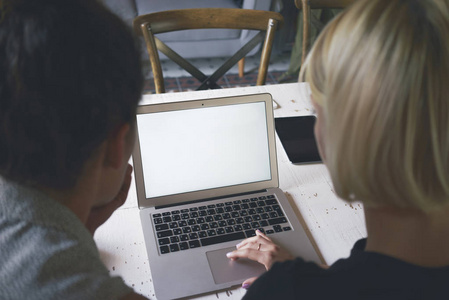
305 6
202 18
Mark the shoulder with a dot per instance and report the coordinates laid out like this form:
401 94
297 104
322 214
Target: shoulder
53 258
287 280
363 275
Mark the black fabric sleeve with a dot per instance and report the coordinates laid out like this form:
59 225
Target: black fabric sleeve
286 280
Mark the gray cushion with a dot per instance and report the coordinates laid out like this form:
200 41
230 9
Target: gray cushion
125 9
149 6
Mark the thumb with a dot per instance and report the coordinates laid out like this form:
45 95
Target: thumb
246 284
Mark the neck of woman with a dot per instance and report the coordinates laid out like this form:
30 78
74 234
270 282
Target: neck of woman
410 235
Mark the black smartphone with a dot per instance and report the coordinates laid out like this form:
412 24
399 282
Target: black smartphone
297 138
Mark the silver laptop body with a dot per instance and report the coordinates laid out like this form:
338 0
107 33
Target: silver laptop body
206 177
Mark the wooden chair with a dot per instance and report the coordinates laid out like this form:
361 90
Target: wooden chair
165 21
305 6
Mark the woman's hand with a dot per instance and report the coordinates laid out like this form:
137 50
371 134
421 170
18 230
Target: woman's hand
259 248
100 214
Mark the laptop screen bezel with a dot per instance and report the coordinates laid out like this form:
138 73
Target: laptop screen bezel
144 202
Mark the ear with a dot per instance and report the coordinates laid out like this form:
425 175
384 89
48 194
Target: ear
116 147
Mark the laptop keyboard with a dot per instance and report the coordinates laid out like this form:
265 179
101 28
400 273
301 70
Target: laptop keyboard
206 225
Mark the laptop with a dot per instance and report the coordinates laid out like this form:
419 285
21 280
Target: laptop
206 178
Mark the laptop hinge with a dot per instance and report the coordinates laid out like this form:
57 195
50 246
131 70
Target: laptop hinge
209 199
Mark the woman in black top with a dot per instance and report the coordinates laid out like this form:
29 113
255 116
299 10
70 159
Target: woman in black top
379 77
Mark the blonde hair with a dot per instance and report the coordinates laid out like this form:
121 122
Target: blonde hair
380 71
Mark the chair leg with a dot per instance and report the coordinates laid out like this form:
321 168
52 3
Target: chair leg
241 67
306 24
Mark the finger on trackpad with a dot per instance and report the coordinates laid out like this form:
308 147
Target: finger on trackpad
226 270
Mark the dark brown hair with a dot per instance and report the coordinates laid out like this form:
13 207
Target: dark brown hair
70 74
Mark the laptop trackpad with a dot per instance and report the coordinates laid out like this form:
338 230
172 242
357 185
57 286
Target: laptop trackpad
225 270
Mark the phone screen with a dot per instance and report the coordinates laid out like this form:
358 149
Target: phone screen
297 138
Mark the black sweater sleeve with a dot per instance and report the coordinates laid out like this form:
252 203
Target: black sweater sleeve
286 280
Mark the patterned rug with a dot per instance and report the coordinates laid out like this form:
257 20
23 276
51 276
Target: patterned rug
183 84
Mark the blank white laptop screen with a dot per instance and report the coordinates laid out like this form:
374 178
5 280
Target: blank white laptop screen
199 149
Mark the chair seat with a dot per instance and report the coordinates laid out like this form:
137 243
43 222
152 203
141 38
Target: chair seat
150 26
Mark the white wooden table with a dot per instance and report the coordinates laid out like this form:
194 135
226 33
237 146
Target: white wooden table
332 224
